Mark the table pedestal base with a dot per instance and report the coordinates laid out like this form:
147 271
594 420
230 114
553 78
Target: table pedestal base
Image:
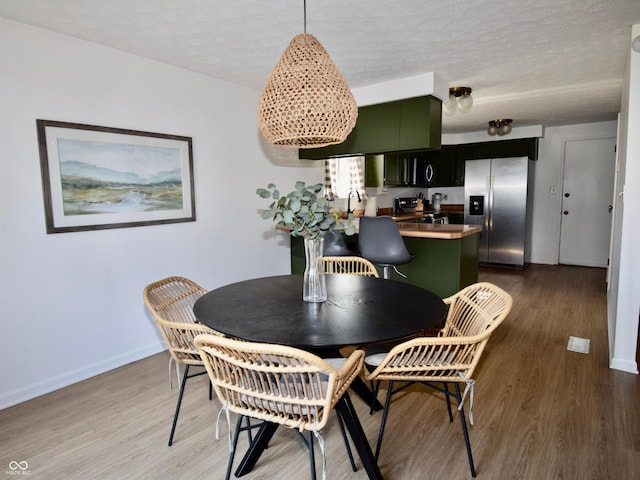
347 413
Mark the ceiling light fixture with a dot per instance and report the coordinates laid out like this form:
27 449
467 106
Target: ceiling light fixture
306 102
500 126
460 99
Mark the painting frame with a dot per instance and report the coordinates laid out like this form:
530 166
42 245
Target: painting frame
96 178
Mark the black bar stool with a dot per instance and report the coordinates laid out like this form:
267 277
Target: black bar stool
335 246
380 242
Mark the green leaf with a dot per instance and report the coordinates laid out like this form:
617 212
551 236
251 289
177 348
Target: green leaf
263 193
295 205
305 210
287 217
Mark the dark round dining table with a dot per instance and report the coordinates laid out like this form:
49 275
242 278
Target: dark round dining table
359 311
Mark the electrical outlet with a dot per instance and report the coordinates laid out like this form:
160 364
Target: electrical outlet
445 196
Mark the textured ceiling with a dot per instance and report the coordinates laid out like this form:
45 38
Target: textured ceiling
542 62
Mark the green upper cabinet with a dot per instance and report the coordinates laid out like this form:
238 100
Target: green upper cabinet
400 126
520 147
391 169
397 169
375 132
374 170
420 124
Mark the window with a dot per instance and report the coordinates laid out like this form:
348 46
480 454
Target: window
344 175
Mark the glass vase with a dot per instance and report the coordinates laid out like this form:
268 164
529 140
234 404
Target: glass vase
314 288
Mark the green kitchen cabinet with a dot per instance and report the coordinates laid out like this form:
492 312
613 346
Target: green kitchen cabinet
458 171
392 170
443 266
399 126
397 170
520 147
374 170
420 124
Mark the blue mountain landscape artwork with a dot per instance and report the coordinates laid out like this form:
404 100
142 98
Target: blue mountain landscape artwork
99 178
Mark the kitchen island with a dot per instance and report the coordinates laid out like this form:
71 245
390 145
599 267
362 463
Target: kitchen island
446 256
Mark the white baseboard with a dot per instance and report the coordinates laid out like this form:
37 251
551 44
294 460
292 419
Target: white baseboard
19 395
624 365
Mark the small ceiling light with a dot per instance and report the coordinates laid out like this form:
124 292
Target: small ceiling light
500 126
306 102
459 99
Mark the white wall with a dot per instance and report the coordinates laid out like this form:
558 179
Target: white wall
71 303
548 172
624 289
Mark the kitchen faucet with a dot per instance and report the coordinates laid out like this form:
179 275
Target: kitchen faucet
349 200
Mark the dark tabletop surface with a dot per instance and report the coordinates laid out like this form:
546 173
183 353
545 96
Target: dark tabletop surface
359 311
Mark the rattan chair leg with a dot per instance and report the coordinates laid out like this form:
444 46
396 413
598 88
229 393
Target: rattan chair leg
185 377
448 397
384 419
177 412
238 430
375 388
312 457
232 453
465 430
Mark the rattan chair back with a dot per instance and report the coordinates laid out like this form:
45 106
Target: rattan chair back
475 309
171 302
351 265
279 384
474 313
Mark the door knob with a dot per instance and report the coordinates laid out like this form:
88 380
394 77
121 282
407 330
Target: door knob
566 212
566 195
610 208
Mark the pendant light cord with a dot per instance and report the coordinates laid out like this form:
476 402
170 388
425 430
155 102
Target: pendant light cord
305 16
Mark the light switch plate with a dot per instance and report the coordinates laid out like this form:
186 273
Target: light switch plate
577 344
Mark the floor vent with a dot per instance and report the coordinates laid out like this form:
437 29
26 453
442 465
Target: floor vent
577 344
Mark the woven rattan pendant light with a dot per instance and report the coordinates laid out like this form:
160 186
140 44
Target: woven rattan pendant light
306 103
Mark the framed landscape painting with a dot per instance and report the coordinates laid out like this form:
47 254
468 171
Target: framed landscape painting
100 177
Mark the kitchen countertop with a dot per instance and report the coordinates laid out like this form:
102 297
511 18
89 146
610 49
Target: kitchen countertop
429 230
437 230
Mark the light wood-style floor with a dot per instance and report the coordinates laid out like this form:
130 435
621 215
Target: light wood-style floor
541 412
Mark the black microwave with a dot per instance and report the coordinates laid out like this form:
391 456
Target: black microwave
423 171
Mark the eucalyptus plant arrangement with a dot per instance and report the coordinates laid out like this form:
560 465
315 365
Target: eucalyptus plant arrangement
305 210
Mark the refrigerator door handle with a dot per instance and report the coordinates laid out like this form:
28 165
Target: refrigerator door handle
490 181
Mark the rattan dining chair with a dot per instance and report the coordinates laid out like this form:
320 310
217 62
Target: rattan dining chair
171 302
349 264
448 359
278 384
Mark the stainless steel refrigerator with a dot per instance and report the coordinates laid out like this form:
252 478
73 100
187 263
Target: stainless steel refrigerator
497 196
